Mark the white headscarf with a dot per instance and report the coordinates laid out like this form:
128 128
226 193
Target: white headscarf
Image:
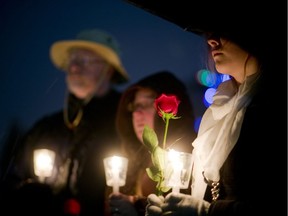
219 131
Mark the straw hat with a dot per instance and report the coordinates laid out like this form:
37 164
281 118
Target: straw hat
97 40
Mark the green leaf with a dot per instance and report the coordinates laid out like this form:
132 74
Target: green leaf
157 176
153 173
150 138
176 117
158 158
163 188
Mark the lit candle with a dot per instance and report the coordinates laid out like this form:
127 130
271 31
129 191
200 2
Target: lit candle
177 166
178 170
43 163
115 171
116 166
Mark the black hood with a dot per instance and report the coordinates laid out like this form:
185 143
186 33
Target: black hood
163 82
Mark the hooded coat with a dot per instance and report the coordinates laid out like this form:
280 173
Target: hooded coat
180 135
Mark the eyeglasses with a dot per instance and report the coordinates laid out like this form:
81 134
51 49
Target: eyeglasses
140 106
84 61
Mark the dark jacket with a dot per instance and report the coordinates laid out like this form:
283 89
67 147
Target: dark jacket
79 170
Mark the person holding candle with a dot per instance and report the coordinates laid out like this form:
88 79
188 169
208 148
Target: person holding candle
135 110
83 132
232 171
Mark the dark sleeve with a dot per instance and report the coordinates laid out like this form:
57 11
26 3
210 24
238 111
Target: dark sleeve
229 208
140 205
21 165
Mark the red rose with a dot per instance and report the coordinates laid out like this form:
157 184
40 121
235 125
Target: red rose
167 108
167 104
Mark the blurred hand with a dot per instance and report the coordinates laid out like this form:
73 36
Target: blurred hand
154 205
178 204
121 204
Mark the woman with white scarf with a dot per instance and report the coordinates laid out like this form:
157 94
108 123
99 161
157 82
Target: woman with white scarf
231 174
240 154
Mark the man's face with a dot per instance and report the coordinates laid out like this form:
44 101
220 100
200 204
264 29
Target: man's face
85 72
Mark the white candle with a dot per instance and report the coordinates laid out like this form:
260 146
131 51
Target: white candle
116 167
177 170
177 166
43 163
115 171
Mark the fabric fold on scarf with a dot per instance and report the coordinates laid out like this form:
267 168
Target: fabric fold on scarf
219 131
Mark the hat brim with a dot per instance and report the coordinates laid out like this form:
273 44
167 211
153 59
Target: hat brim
250 25
59 56
202 16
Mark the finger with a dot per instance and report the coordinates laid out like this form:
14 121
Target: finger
168 207
168 213
161 198
155 200
153 210
173 198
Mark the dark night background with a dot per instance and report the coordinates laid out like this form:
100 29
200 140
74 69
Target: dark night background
32 87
